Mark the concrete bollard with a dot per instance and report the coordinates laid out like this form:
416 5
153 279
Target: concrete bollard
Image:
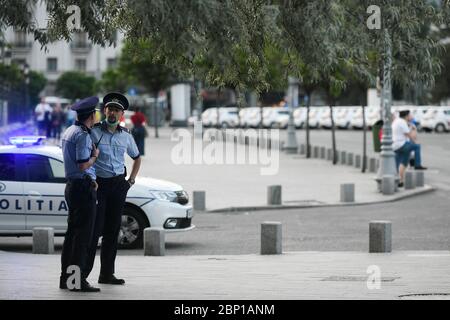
410 183
271 237
322 153
388 185
316 152
302 149
358 161
372 165
43 240
274 195
154 242
348 192
380 236
350 157
329 154
199 202
420 178
343 157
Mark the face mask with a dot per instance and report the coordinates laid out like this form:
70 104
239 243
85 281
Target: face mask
112 124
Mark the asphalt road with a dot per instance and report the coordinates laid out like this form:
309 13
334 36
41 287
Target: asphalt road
420 223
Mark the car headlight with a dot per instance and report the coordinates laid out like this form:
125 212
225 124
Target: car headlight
164 195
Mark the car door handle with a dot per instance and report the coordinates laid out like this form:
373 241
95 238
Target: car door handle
34 194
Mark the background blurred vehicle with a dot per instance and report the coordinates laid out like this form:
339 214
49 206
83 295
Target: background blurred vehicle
345 116
437 119
228 117
325 118
276 118
300 117
314 116
372 115
250 117
207 116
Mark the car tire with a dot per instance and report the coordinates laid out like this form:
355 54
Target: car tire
440 128
131 234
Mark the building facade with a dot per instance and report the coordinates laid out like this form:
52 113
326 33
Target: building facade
78 55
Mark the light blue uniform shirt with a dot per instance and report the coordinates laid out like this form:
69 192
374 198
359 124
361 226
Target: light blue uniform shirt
112 147
77 148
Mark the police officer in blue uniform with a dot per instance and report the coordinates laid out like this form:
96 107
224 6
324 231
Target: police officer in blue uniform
113 142
81 192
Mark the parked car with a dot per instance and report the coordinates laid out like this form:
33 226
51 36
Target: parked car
436 119
300 117
345 116
372 115
32 183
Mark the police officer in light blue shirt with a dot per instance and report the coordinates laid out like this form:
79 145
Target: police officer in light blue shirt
113 141
80 155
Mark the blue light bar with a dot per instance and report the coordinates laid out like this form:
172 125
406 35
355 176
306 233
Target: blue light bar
21 141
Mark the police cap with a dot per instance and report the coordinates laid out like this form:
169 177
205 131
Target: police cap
117 100
86 105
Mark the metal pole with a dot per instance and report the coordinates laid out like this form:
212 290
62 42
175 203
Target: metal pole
291 143
387 155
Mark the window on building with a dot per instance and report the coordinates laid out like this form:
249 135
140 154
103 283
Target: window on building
52 64
111 63
80 64
20 38
80 39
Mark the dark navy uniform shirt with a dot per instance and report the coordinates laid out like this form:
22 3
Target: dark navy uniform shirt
77 148
112 147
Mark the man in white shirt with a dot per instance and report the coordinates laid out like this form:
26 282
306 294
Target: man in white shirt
403 144
42 112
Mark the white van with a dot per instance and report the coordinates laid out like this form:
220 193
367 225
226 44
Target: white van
437 119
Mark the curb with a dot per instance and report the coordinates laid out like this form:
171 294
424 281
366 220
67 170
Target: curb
415 192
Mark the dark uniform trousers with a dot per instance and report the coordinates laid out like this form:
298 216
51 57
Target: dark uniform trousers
81 199
111 195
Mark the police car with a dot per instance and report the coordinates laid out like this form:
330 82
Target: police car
32 183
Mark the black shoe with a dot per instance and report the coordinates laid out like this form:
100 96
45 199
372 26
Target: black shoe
62 282
400 184
110 280
420 168
86 287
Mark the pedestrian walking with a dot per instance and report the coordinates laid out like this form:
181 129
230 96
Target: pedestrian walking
42 114
57 121
81 193
139 132
113 141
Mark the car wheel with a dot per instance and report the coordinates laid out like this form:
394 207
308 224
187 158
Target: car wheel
225 125
274 125
440 128
131 232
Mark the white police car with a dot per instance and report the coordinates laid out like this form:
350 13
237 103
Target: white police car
32 184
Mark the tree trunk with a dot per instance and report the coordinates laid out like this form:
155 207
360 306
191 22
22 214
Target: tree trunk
333 133
364 162
156 113
308 147
218 111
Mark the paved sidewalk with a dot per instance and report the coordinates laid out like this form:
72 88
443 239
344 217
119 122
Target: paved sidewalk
292 275
305 182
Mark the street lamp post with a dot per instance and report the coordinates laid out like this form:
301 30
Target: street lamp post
291 143
387 155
